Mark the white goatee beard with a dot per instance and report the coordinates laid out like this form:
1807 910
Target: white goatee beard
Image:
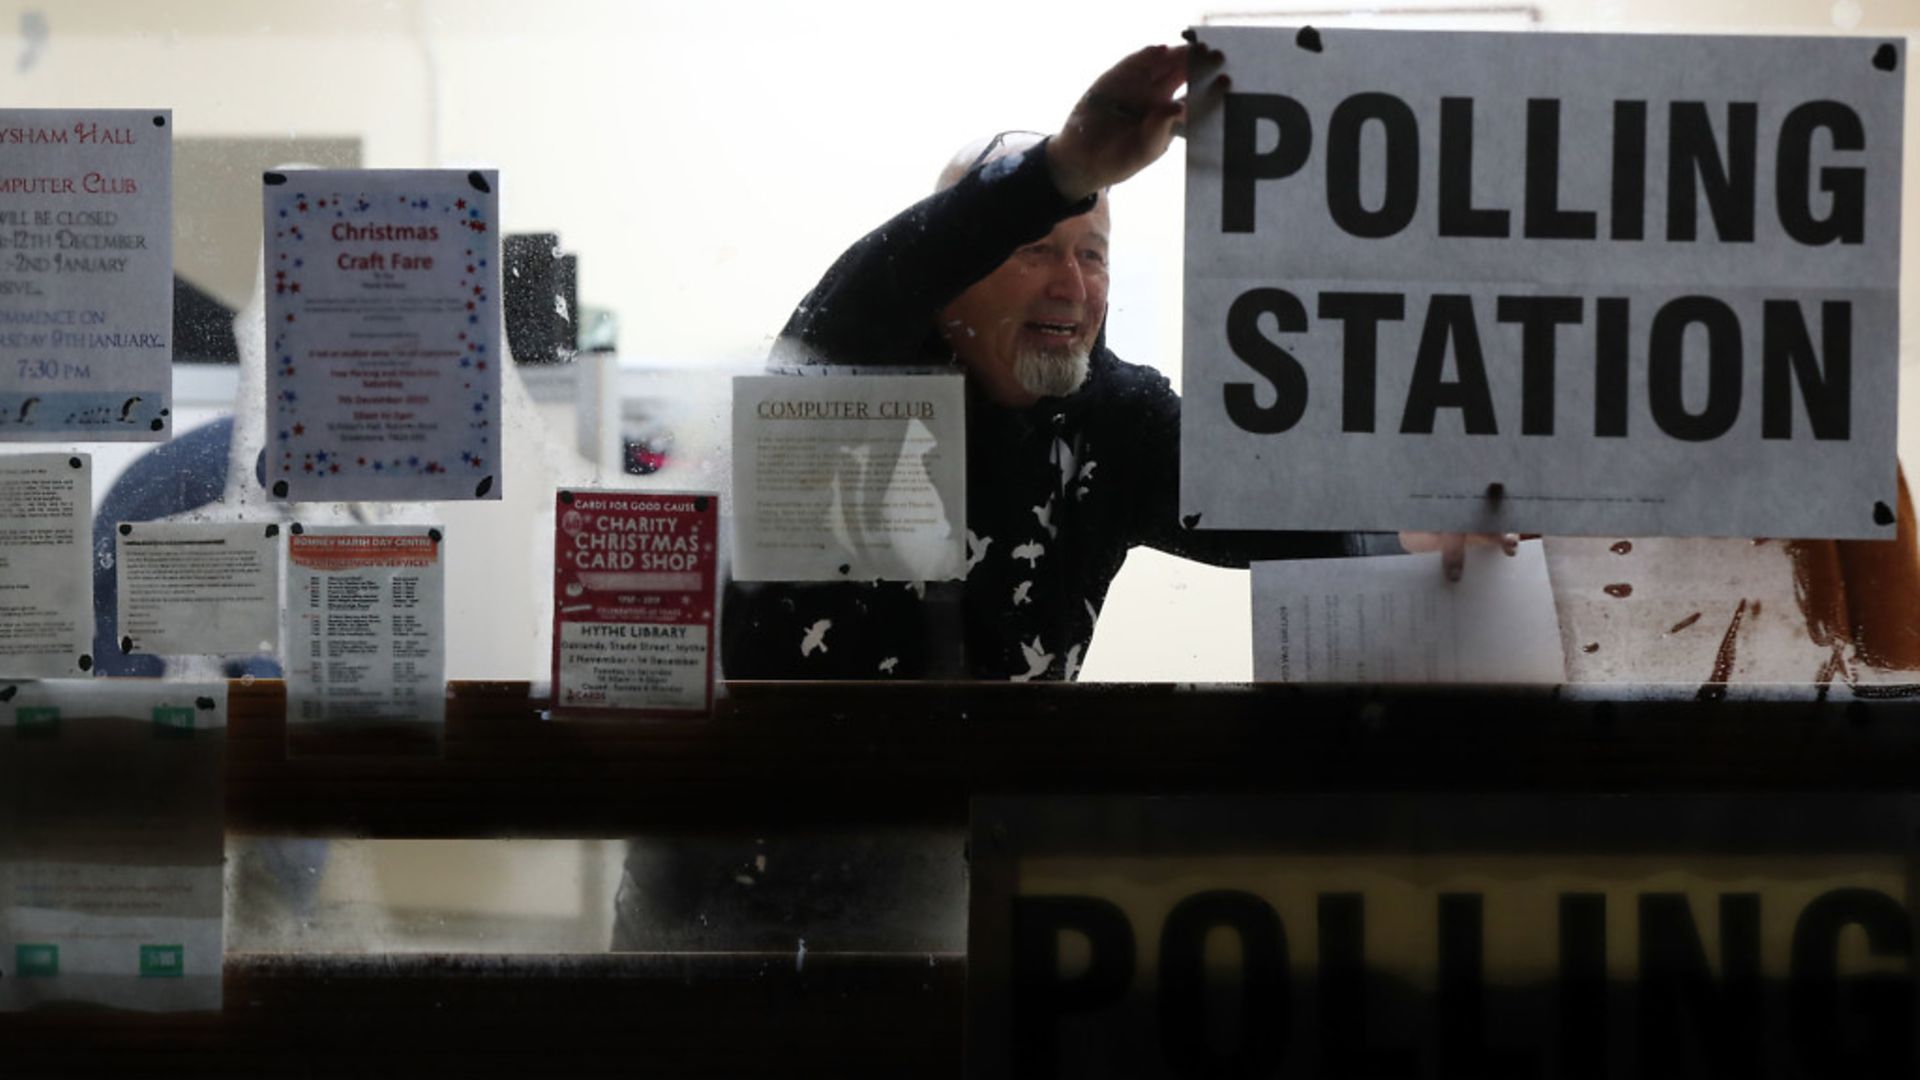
1050 372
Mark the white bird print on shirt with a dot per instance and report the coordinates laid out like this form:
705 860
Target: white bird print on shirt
1030 551
889 664
1045 514
1073 663
976 550
816 637
1038 660
1020 593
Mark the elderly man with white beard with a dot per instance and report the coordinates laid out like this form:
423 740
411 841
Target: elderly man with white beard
1073 455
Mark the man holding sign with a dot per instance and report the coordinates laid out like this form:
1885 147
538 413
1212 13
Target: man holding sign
1073 454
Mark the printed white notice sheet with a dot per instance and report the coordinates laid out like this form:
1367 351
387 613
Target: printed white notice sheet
194 588
1396 619
849 477
366 626
86 275
46 586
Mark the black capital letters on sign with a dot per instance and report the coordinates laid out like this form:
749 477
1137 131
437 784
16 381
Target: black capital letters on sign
1277 365
1461 998
1629 170
1402 173
1040 996
1362 314
1694 164
1545 219
1610 367
1345 1053
1265 1002
1458 215
1666 364
1243 166
1677 983
1538 317
1846 219
1583 986
1826 379
1449 323
1882 1004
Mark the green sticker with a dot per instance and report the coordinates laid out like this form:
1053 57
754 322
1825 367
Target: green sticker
39 960
162 961
178 717
38 717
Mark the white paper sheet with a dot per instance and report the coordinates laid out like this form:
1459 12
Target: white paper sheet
1579 290
1396 619
190 588
366 634
86 274
849 477
46 586
383 327
112 825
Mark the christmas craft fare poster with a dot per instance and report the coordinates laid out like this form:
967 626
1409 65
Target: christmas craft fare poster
383 334
633 601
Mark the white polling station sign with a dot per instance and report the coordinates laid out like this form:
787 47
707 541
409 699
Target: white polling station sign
1564 283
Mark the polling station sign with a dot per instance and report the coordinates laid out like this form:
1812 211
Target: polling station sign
1563 283
1365 935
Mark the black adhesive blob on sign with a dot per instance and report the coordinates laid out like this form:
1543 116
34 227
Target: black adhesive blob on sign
1882 515
203 703
273 531
280 488
1309 39
700 504
157 424
126 644
567 497
1496 492
1886 57
166 412
478 182
159 121
433 535
1191 521
298 528
845 569
7 693
86 662
126 529
485 485
273 179
76 463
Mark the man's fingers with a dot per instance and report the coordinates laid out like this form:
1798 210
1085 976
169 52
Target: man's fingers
1453 555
